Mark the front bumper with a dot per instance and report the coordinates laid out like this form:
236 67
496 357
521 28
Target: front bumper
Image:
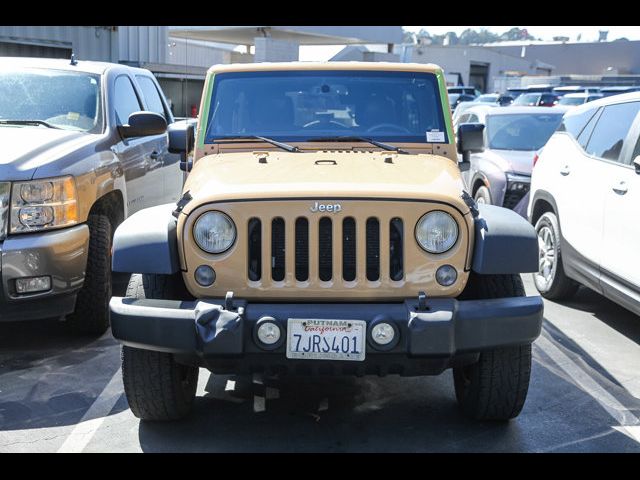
61 254
205 333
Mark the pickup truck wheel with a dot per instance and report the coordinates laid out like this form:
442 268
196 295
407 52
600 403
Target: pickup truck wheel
550 280
157 387
91 315
495 387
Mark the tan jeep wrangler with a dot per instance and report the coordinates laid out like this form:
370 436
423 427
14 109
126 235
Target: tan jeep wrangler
324 229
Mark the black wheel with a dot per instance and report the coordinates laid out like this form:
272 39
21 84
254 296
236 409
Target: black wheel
550 280
157 387
483 195
495 387
91 315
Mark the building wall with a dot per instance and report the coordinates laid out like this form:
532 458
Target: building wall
581 58
142 44
88 42
193 53
458 59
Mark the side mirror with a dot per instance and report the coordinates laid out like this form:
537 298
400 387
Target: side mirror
181 137
142 124
636 164
470 138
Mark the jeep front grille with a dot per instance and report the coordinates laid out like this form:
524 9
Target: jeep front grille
337 242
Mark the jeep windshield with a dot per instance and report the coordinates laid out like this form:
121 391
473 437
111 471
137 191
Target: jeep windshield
300 106
50 98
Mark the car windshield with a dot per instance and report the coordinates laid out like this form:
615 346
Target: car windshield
571 100
305 105
528 99
521 131
56 98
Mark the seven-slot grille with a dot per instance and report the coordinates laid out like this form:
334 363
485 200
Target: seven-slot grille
329 244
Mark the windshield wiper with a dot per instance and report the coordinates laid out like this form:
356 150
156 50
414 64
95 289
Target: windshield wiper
355 138
284 146
28 122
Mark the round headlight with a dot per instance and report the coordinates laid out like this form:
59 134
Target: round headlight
214 232
436 232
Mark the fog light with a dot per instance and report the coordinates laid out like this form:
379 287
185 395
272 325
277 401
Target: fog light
268 333
33 284
446 275
382 333
205 275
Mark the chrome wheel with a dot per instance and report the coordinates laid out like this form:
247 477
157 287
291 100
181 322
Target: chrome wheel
546 257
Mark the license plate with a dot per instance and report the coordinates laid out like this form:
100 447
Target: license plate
321 339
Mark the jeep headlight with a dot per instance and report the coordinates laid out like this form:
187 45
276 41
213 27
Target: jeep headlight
214 232
43 204
436 232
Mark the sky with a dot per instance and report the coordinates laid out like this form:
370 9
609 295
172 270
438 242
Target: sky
589 34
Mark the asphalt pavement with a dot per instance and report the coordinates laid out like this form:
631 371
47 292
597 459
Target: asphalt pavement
60 393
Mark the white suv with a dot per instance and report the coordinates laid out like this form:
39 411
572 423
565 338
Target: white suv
585 201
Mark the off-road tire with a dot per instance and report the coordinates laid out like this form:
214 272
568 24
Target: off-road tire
157 387
495 387
91 315
482 195
561 287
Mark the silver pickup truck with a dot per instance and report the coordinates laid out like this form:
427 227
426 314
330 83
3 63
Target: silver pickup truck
85 145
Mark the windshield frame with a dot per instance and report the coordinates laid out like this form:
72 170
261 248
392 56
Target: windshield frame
101 121
434 78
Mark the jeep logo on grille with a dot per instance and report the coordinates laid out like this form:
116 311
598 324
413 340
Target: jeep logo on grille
326 207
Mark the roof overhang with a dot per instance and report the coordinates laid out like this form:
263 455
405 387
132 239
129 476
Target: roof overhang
303 35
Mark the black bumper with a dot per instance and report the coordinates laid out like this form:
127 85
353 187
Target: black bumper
205 333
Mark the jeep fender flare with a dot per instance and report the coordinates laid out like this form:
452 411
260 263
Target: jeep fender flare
505 242
147 242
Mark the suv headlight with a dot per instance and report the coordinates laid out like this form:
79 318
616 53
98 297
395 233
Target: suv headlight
516 182
436 232
43 204
214 232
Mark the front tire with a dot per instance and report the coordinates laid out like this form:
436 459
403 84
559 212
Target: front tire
496 386
156 386
551 281
91 315
483 195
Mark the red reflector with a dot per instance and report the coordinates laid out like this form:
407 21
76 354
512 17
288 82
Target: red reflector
535 159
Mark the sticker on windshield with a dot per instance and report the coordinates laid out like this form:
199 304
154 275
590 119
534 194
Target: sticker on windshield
435 136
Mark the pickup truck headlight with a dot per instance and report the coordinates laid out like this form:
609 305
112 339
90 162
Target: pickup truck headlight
43 204
5 190
436 232
214 232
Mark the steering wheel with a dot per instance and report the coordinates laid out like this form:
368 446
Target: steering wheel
317 124
386 126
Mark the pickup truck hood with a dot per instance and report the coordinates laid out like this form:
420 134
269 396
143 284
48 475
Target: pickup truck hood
25 148
323 174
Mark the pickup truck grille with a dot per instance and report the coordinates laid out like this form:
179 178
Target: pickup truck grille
5 188
331 250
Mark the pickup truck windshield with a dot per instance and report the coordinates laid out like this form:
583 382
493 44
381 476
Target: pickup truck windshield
306 105
54 98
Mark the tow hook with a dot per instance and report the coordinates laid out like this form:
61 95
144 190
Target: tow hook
422 302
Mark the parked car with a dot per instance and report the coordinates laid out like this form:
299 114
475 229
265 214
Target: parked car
305 243
568 89
585 192
617 90
462 114
456 99
540 99
500 99
572 99
84 146
474 92
500 175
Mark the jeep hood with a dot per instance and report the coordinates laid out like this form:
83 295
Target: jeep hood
25 148
256 175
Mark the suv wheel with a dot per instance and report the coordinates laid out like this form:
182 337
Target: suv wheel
91 315
157 387
551 281
495 387
483 195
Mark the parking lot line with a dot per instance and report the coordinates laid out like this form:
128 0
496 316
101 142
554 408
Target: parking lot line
91 421
581 379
